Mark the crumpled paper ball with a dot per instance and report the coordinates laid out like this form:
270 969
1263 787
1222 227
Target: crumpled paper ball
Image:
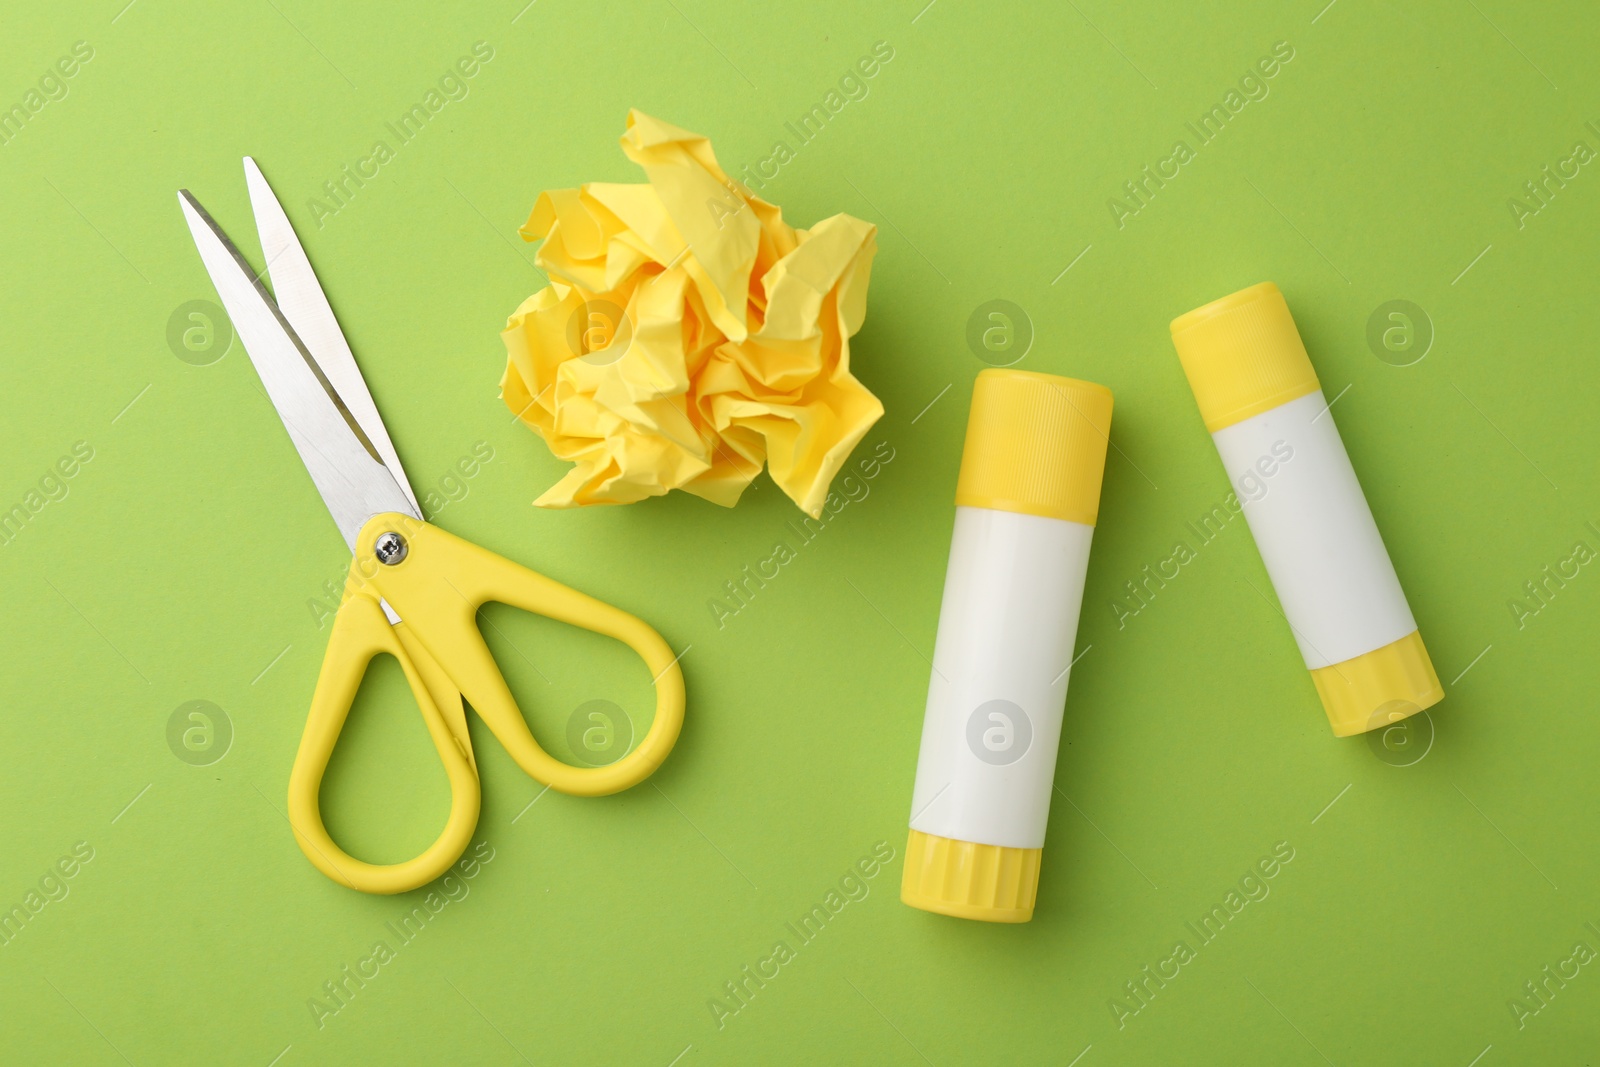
689 334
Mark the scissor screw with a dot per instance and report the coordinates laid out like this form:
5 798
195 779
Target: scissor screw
390 548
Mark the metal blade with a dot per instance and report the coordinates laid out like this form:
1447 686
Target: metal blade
353 481
300 297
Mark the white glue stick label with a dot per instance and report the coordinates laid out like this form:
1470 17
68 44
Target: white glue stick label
1007 626
1315 532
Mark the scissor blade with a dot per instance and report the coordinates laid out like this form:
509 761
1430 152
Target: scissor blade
353 482
299 296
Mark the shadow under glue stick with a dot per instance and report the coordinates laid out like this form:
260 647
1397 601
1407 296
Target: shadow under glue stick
1026 502
1262 403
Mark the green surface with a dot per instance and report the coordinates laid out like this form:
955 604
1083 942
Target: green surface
1422 893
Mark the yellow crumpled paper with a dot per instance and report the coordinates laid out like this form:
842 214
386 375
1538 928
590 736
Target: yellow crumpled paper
688 334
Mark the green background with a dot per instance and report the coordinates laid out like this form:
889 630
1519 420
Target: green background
1423 891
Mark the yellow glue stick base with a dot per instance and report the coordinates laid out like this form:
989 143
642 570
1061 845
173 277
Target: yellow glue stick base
991 883
1379 687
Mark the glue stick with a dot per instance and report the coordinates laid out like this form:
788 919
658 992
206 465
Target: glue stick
1026 502
1262 403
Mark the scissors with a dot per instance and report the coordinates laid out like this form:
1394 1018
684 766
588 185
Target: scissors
413 590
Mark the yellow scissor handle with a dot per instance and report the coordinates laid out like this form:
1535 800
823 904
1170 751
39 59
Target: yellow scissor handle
438 586
361 632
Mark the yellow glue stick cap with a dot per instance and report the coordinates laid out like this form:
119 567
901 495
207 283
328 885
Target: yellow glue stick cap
992 883
1377 688
1036 443
1243 355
